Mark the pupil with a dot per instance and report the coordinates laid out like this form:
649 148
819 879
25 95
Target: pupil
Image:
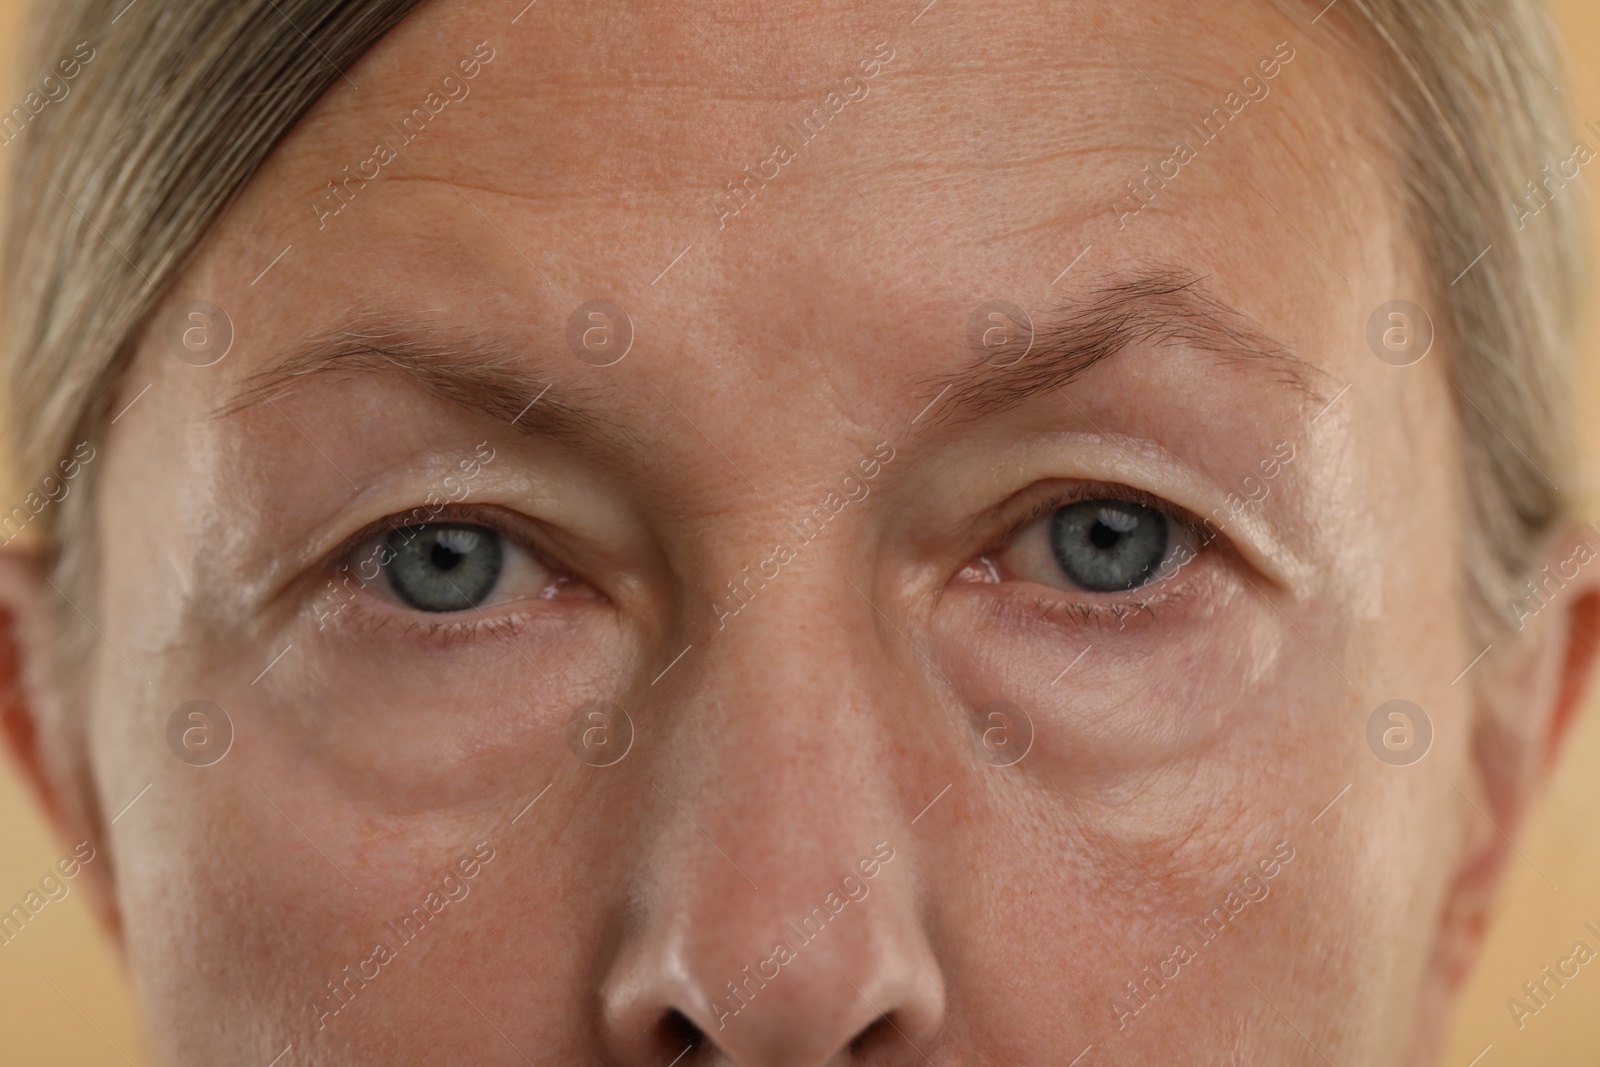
445 557
1103 536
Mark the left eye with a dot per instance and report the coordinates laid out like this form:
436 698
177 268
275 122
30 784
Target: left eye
1107 545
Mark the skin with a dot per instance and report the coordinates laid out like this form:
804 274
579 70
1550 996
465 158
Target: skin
1177 738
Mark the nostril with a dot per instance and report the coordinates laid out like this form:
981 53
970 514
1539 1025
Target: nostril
885 1039
870 1035
679 1034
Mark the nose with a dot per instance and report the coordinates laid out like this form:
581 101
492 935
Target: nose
778 921
813 996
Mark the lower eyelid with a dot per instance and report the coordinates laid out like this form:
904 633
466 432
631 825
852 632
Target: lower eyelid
1029 608
443 631
364 614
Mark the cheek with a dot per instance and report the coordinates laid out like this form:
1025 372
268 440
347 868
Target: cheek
1185 737
239 903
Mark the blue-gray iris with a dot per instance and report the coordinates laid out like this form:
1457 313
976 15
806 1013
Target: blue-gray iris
444 566
1108 545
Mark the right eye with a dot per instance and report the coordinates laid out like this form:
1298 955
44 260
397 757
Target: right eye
444 567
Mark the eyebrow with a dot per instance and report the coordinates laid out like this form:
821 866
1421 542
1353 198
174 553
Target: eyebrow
1161 306
485 375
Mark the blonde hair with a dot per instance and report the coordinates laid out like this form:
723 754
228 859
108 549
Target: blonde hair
1476 120
114 187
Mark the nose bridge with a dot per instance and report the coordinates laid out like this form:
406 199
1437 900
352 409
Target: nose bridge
791 717
783 919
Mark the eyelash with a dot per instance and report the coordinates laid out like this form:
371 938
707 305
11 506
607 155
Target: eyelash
1081 491
444 634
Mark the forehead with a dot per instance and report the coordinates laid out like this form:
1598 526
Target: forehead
814 173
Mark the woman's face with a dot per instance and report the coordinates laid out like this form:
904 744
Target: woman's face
798 536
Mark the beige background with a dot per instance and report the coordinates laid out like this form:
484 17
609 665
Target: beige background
66 1001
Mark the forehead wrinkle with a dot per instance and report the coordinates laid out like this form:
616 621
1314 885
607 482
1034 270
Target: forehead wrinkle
486 376
1162 306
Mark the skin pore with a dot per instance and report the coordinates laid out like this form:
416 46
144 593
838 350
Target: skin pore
1194 744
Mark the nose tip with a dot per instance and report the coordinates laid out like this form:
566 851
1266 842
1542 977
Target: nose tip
869 995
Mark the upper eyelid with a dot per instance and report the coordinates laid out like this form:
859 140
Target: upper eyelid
488 516
1267 539
452 513
1081 490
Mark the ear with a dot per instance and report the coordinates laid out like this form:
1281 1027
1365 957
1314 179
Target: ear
1540 664
49 760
